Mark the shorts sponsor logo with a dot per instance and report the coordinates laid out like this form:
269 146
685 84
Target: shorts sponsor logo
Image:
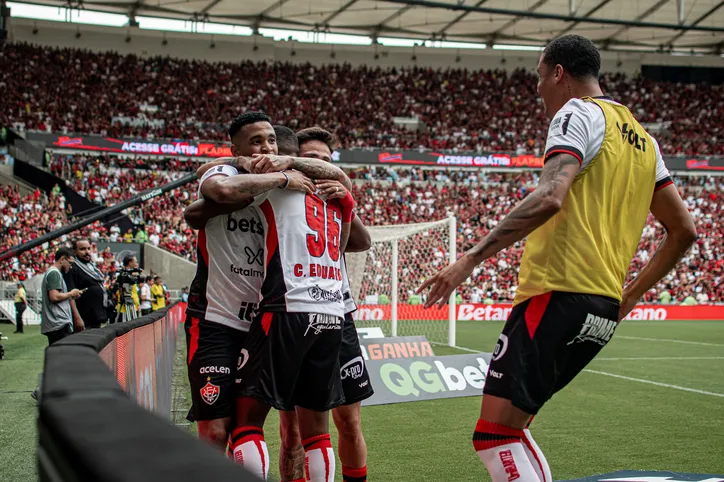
319 322
500 347
221 370
494 374
210 392
354 368
319 294
596 329
254 273
506 457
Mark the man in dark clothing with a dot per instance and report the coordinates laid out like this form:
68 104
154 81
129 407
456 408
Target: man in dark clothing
91 308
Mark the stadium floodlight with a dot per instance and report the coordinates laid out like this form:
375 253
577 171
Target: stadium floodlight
62 14
399 42
530 48
315 37
443 44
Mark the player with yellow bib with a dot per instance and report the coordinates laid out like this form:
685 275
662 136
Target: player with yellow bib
602 175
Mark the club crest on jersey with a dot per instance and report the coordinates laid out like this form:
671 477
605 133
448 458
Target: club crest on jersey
596 329
320 321
210 392
319 294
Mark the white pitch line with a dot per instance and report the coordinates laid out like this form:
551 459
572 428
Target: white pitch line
658 384
668 340
662 358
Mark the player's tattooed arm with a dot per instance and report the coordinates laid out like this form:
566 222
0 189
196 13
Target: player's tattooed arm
244 187
238 163
200 211
555 181
532 212
313 168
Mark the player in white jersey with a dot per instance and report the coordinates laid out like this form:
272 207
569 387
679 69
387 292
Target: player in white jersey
230 270
293 346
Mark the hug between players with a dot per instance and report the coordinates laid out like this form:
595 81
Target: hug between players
269 320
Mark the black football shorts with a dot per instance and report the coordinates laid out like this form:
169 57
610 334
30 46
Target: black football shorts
214 354
546 342
293 361
356 383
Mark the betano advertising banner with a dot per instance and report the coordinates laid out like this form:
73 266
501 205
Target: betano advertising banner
189 148
429 378
481 312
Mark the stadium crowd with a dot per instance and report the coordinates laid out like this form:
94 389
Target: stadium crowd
387 196
78 91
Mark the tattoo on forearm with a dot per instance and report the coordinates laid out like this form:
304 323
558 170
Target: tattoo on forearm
529 214
319 170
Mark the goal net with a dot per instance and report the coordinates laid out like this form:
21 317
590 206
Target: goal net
384 280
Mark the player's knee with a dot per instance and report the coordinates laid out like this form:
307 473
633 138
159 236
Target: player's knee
348 421
215 432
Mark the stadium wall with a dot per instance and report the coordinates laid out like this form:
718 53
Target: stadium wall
176 272
89 428
148 43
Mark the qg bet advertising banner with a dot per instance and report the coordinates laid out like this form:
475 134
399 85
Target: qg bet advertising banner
187 148
429 378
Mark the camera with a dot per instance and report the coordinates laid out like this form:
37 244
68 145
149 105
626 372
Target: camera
125 280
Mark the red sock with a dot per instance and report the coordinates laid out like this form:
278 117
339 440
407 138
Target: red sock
354 475
250 450
319 459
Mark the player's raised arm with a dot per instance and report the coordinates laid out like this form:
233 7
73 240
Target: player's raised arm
237 163
312 167
359 238
238 188
200 211
542 204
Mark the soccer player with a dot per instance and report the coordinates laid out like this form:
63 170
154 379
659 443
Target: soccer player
318 143
602 175
225 290
293 345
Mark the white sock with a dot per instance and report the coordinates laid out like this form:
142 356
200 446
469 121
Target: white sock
319 462
250 450
502 451
536 457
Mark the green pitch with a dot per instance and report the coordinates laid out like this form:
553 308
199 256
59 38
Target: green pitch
647 403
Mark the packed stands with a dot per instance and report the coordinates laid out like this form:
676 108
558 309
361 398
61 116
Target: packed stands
78 91
478 199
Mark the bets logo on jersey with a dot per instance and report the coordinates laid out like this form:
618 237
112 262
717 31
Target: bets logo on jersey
244 225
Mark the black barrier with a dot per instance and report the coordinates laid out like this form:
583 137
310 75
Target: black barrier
90 430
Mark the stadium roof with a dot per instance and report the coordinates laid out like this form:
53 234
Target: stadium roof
624 24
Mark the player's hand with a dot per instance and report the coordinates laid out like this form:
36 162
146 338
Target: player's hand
263 163
300 182
75 293
627 305
444 282
330 189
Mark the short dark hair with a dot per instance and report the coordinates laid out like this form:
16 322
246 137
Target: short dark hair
64 252
577 55
250 117
316 133
141 279
286 141
78 240
127 259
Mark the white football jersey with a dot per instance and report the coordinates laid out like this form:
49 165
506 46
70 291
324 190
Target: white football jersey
230 267
303 258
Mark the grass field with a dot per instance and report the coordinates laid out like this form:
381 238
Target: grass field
654 400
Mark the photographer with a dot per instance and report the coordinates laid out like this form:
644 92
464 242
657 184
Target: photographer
91 309
126 289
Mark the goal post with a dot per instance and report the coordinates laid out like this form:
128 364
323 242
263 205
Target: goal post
384 280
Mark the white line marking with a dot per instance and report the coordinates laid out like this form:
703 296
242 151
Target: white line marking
462 348
663 358
668 340
658 384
